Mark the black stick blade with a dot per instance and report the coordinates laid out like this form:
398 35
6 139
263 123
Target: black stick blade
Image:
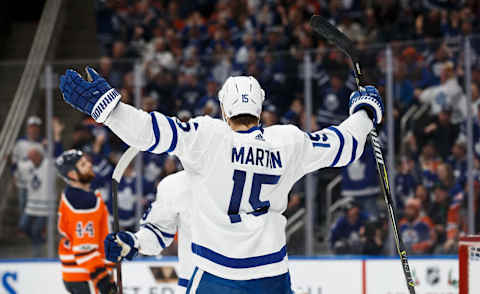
331 33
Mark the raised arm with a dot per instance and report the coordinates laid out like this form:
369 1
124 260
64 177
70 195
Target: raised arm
338 146
95 97
153 132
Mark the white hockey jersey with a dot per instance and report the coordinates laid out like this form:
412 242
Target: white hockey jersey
170 213
240 180
19 158
38 197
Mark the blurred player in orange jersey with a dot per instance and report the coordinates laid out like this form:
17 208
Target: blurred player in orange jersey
83 223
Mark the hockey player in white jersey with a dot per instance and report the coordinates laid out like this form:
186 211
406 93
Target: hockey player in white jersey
170 213
240 173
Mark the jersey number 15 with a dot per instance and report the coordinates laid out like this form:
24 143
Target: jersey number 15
260 207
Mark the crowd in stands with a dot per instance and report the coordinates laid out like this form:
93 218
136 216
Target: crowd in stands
186 49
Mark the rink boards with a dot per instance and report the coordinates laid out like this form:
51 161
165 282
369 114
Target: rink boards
319 275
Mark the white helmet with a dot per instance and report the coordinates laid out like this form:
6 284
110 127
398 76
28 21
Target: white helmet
241 95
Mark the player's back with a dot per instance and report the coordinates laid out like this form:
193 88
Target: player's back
240 181
170 213
238 232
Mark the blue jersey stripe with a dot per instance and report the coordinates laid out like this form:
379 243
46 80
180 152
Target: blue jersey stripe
239 262
354 150
252 129
156 132
183 282
148 226
321 144
173 145
165 234
340 149
193 277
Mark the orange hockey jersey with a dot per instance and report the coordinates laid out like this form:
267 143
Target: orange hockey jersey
83 223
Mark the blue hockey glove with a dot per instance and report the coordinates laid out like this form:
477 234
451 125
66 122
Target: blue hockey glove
94 97
368 99
121 245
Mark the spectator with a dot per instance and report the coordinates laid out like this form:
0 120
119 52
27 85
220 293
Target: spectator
209 104
149 104
81 138
188 92
438 211
345 234
415 71
476 132
448 95
128 201
105 70
403 87
161 88
405 181
292 116
428 164
417 231
102 167
119 58
440 132
332 108
38 202
158 57
359 181
375 234
57 129
457 216
457 160
422 194
475 97
269 115
170 166
20 159
445 176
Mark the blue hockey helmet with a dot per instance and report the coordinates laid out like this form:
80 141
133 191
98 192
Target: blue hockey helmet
67 161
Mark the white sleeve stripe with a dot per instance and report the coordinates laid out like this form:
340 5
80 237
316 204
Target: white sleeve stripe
88 257
73 270
66 257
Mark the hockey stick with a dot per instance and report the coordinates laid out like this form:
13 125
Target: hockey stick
120 168
329 32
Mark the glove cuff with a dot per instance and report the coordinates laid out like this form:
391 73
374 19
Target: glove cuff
371 105
105 105
135 240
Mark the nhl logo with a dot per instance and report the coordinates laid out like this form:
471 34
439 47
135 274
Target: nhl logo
433 275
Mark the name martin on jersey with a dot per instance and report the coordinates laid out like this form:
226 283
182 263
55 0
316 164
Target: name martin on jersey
256 156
